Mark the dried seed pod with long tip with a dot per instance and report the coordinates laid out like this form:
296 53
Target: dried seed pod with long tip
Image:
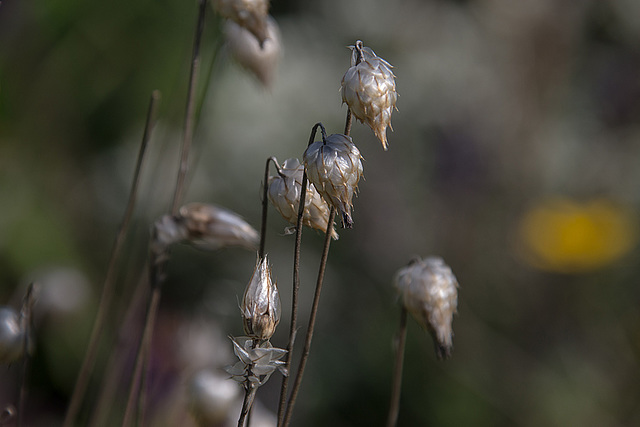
369 89
249 14
205 226
284 193
261 60
429 291
334 166
261 303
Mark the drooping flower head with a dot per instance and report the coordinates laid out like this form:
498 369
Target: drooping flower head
369 89
284 193
249 14
334 166
261 303
205 226
261 59
429 291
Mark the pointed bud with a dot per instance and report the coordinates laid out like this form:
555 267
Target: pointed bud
429 292
11 336
205 226
334 167
262 61
249 14
284 193
369 89
261 303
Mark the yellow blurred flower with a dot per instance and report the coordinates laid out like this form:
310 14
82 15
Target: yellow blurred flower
562 235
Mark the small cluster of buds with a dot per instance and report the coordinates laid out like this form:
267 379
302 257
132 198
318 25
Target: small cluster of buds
205 226
369 89
252 35
429 291
11 335
334 166
284 193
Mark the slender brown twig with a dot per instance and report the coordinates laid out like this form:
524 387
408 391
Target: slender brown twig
265 204
296 282
106 298
158 262
394 405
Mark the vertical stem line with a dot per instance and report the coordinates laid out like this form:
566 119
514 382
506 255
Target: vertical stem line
108 286
394 405
265 205
312 320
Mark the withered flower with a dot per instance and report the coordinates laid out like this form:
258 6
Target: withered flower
261 303
334 166
369 89
429 291
284 193
249 14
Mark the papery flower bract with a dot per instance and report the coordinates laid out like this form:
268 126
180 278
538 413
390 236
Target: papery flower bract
261 303
262 61
11 336
429 291
257 360
369 89
284 193
249 14
334 166
205 226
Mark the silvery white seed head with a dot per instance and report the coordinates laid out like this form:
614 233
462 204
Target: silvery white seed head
249 14
11 335
212 227
262 61
261 303
205 226
210 397
369 89
429 291
284 193
334 166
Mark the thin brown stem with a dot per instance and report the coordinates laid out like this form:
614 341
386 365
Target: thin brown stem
108 286
247 404
312 320
265 204
296 283
394 405
189 117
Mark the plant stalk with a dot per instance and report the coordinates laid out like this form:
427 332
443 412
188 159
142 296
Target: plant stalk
108 286
394 405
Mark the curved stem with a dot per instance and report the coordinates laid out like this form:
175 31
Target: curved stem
296 281
265 204
312 320
108 286
394 405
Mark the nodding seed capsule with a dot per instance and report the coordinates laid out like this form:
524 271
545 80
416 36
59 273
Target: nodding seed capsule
261 303
249 14
369 89
284 193
429 291
334 166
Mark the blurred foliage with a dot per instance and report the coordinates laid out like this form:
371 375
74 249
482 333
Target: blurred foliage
504 108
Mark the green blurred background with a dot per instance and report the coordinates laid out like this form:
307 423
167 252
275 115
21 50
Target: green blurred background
515 156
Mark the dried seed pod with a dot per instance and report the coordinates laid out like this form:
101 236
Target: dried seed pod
261 303
205 226
334 166
369 89
11 335
429 291
261 60
249 14
284 193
